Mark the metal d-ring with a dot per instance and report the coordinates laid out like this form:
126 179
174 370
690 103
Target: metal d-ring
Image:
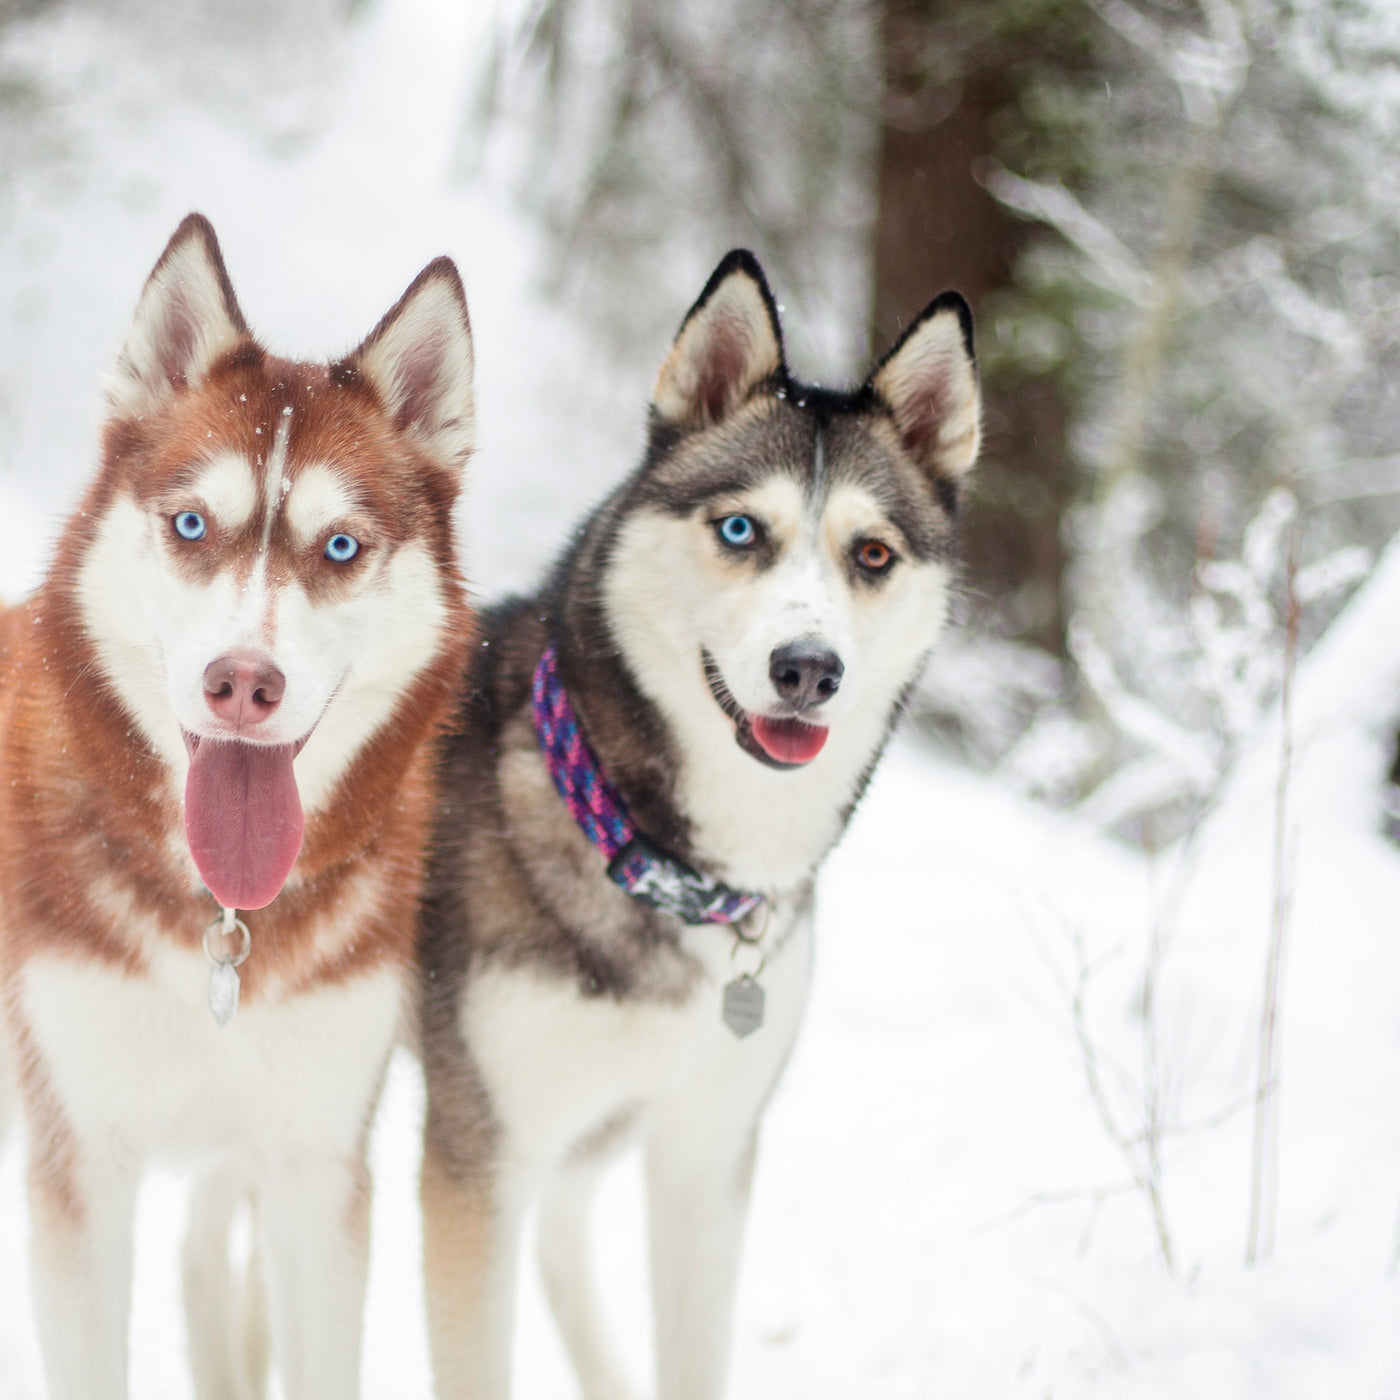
223 924
741 935
751 942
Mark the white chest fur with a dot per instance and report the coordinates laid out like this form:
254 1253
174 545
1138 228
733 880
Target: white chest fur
560 1065
138 1060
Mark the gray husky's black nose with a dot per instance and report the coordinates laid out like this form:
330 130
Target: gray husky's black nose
805 674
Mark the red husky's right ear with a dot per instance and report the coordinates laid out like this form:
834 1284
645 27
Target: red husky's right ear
186 318
419 360
729 343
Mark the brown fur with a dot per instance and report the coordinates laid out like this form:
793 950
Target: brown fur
86 806
89 818
95 870
459 1254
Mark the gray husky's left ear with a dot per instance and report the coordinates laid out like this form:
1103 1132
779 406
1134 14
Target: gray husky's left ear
419 361
729 343
929 381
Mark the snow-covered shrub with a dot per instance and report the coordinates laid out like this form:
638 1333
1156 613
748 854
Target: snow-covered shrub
1226 232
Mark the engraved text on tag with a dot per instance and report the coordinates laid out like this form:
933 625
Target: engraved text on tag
743 1006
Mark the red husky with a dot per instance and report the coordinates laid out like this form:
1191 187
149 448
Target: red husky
217 719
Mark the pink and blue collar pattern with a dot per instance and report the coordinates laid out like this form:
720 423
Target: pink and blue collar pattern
648 874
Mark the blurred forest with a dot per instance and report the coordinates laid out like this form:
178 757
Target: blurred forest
1176 221
1059 1095
1177 225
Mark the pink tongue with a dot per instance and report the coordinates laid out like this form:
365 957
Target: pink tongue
788 740
243 820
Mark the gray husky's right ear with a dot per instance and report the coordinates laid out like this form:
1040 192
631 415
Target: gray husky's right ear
419 361
729 343
929 382
186 318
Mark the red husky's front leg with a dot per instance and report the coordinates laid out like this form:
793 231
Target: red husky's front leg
314 1229
81 1208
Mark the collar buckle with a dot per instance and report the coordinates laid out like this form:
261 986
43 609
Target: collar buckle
661 881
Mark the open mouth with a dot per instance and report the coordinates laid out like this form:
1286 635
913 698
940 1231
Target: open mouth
780 742
243 817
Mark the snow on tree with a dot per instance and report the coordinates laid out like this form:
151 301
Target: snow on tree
1227 249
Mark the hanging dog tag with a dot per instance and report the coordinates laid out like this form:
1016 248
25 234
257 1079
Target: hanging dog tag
223 991
743 1006
224 983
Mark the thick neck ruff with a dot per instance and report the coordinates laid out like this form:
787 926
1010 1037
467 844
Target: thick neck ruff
634 864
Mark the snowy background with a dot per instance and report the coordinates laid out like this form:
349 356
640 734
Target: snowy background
1012 1156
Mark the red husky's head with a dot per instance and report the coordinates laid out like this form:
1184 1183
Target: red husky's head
268 563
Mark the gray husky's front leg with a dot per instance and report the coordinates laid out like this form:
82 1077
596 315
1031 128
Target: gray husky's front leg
698 1181
564 1215
470 1242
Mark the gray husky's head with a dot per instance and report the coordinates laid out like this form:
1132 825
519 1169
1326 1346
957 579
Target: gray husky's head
778 569
783 565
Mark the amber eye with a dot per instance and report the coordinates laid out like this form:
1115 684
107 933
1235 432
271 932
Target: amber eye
874 556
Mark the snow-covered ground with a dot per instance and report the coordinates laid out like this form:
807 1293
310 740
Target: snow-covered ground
937 1209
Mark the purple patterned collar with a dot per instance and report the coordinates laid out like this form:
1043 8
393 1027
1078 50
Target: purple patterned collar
634 864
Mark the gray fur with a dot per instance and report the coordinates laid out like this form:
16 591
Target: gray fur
513 882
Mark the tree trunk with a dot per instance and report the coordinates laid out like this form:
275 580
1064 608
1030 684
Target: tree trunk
937 227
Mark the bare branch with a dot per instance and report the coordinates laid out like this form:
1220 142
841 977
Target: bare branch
1114 266
1263 1192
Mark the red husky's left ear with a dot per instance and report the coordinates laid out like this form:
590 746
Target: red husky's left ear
929 382
187 317
419 360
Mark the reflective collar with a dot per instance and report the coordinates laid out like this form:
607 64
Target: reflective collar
636 866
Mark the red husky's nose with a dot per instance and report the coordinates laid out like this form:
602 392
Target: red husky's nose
243 688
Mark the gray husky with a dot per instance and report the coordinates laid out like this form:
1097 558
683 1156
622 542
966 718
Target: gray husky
654 754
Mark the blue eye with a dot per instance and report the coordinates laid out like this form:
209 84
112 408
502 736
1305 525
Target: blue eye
737 531
189 525
342 548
